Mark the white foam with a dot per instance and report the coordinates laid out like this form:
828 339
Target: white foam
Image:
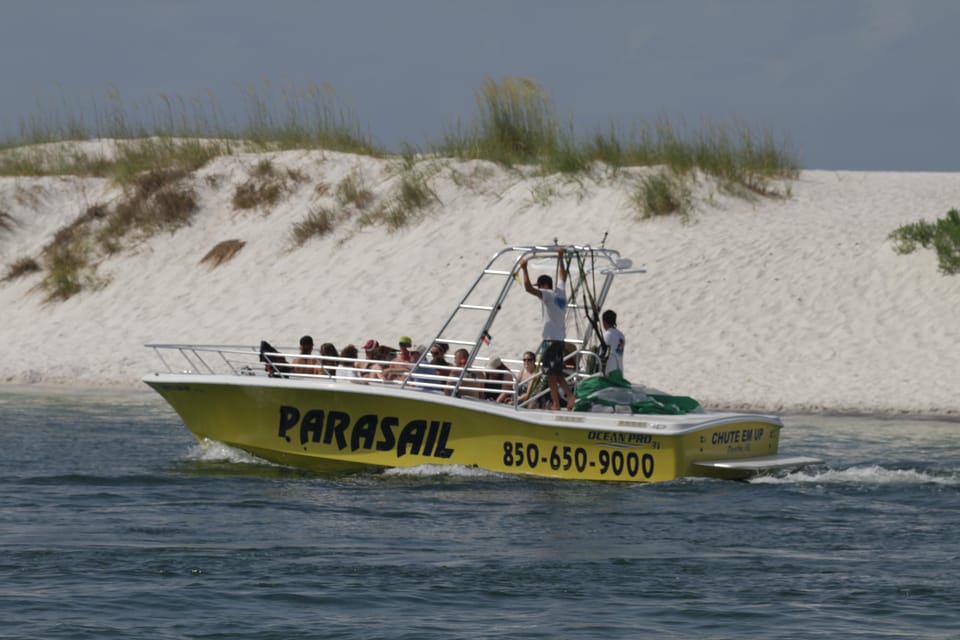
866 475
213 451
434 470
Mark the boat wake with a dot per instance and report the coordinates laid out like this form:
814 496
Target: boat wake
865 475
213 451
438 471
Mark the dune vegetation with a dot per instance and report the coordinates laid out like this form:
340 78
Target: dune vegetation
516 124
156 147
943 236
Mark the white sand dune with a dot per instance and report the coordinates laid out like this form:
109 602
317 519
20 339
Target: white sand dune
795 304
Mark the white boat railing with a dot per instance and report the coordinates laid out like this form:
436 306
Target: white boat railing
471 382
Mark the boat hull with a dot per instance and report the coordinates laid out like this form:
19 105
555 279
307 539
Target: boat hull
330 426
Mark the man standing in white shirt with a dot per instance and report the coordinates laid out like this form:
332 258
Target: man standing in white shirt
614 340
554 303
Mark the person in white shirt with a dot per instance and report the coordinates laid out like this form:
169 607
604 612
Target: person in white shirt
347 370
615 341
554 301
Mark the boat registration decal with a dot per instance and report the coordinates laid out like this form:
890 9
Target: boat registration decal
369 431
615 463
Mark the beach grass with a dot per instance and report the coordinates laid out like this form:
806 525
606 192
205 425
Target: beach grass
317 223
159 200
352 191
662 193
175 132
265 186
516 123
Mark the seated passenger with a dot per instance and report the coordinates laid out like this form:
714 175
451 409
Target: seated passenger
274 364
404 355
377 365
526 377
416 352
423 370
348 370
370 348
301 364
328 367
438 353
469 388
499 380
401 363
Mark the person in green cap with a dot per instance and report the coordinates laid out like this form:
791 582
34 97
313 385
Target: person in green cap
401 363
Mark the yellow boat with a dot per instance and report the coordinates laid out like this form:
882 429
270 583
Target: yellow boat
317 418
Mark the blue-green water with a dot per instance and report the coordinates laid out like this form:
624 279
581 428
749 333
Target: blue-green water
115 523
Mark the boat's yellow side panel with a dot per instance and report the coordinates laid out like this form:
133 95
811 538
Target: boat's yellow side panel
327 428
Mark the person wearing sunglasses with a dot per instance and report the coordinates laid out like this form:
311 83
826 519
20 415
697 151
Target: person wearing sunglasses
525 378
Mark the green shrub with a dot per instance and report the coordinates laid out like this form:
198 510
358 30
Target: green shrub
67 264
943 235
67 257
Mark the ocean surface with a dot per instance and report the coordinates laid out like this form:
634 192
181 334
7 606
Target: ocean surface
116 523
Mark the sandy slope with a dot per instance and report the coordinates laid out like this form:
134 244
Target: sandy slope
787 305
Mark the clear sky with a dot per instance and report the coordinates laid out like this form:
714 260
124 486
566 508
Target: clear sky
853 84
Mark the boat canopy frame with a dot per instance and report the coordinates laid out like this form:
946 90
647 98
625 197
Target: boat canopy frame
581 281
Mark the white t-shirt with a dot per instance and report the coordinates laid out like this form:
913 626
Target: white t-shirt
554 312
345 371
616 341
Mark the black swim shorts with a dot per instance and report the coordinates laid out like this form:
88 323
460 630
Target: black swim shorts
551 356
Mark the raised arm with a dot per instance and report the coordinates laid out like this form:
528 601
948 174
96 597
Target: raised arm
563 269
526 280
